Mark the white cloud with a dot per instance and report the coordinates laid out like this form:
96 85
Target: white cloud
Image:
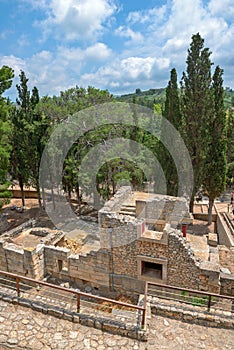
157 40
222 8
152 15
129 33
77 19
14 62
98 51
53 72
132 72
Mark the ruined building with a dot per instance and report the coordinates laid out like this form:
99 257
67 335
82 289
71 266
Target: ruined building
139 237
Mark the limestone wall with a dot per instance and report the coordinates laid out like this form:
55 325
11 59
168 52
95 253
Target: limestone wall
27 262
34 263
92 268
14 259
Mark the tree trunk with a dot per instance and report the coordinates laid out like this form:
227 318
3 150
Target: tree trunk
38 195
43 196
96 199
21 184
69 194
211 203
52 195
191 204
78 198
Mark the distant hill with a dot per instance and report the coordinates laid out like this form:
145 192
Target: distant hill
145 98
153 96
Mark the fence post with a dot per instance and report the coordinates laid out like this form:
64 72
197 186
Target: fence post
145 306
209 303
18 286
143 319
78 303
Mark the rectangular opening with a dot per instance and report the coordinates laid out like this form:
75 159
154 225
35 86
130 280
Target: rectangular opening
62 266
150 269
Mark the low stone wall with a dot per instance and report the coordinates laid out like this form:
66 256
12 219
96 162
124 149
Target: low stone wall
103 324
204 318
204 217
15 231
224 237
26 261
27 194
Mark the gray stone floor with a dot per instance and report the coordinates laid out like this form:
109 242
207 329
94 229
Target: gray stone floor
23 328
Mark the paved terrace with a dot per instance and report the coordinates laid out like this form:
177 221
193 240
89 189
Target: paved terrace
23 328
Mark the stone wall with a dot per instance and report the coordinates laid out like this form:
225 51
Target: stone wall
14 256
225 237
115 203
227 284
163 208
92 268
192 314
26 262
183 269
116 232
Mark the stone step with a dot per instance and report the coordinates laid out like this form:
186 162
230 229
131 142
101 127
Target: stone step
129 205
132 210
127 213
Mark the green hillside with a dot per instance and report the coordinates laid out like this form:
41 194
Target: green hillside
153 96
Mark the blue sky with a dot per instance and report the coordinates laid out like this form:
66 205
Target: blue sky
110 44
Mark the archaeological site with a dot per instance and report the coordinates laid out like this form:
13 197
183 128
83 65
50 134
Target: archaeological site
141 254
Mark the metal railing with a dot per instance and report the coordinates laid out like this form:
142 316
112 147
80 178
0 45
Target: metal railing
31 289
218 303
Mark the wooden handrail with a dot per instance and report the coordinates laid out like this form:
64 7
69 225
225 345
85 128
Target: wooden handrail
191 291
73 291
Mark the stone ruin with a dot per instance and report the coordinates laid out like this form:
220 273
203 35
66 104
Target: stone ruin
138 238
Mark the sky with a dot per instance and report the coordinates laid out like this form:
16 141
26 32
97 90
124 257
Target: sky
118 45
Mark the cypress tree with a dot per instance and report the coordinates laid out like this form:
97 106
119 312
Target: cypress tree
196 106
171 112
216 151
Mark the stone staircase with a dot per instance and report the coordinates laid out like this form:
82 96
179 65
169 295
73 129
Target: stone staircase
128 209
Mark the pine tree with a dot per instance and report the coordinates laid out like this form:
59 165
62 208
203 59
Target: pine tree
196 106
